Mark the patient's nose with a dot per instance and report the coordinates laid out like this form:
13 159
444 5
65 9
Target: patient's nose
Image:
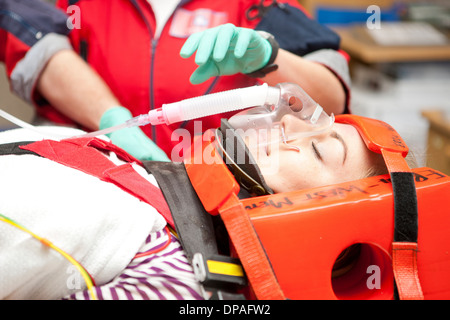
293 124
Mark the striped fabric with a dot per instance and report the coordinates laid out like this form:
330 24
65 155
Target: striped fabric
164 275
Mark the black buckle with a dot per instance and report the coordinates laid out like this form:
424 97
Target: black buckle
220 272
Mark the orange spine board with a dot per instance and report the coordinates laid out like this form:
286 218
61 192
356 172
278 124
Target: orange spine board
303 232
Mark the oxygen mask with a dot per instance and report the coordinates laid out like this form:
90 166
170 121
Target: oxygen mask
264 125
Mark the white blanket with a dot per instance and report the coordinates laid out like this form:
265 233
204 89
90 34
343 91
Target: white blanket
100 225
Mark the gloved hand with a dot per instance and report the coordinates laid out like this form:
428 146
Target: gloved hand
226 50
133 139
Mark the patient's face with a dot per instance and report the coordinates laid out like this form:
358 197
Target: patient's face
335 156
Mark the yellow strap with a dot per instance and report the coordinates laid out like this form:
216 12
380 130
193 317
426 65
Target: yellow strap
226 268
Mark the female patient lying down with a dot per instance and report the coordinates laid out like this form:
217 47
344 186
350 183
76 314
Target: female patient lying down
108 231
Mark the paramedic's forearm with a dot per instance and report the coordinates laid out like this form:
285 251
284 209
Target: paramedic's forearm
317 80
76 90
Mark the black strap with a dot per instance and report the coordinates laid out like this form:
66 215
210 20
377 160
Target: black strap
406 223
13 148
193 224
201 235
405 207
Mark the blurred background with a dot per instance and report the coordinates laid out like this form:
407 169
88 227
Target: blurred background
400 66
399 61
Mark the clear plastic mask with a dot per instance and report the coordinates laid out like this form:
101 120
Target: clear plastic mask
263 125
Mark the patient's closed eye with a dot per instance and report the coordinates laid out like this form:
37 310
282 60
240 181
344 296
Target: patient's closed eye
316 151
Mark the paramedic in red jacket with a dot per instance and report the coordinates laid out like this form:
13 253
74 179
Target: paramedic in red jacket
40 62
137 53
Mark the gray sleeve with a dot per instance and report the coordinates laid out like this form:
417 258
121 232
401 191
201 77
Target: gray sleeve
335 62
27 71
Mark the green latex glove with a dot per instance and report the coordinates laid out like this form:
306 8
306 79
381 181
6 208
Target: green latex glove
226 50
133 140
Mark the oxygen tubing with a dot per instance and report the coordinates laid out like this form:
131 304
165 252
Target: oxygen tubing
199 107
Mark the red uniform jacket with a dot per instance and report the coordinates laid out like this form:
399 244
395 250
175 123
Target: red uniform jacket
144 70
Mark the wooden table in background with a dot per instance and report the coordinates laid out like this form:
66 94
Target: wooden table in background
358 44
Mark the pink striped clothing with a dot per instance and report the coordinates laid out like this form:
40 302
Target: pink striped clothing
164 275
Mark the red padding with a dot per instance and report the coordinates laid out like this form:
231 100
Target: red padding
83 154
404 260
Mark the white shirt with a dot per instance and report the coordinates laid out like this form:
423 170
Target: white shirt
162 9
